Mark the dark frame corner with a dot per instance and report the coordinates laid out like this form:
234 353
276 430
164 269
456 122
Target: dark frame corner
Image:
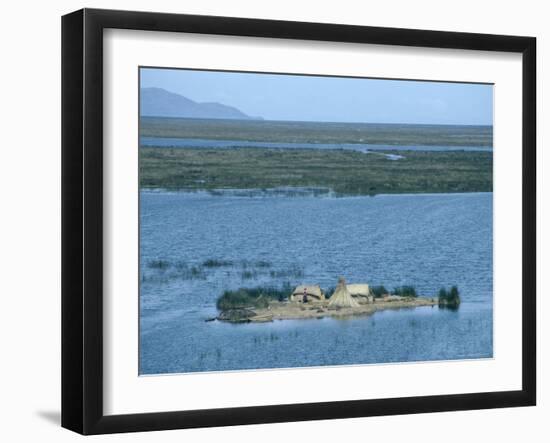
82 348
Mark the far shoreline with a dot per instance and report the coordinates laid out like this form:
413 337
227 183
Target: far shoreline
292 192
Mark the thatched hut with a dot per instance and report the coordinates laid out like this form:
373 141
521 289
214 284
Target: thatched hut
361 292
307 293
342 297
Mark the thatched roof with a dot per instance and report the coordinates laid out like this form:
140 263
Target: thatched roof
342 297
359 289
309 290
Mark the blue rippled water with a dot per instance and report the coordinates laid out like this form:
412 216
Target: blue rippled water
425 240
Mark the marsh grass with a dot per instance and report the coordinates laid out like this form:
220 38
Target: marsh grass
405 291
159 264
294 272
317 132
256 297
248 275
255 264
180 265
346 172
379 291
214 263
163 270
449 298
167 271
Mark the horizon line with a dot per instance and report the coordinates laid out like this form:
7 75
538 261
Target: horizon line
261 120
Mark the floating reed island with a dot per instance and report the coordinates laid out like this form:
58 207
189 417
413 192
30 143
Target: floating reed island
310 301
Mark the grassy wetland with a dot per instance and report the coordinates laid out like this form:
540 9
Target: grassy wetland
343 171
317 132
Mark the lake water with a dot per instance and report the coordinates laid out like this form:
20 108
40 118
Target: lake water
362 147
425 240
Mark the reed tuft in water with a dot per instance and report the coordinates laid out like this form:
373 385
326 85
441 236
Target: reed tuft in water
449 298
215 263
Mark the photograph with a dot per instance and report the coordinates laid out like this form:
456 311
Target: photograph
275 222
292 220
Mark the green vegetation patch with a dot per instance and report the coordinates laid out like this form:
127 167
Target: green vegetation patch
405 291
379 291
257 297
215 263
317 132
449 298
344 171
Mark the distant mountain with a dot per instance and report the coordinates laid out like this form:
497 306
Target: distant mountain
158 102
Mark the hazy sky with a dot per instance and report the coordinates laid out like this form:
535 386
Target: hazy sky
306 98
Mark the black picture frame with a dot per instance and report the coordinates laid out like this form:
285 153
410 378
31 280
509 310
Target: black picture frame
82 218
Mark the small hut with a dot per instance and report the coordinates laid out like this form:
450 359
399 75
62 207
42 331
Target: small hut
361 292
305 293
342 297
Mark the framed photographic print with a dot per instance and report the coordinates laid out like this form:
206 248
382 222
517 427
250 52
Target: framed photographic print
269 221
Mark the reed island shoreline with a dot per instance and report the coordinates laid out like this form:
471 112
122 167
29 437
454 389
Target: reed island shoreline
288 310
310 302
